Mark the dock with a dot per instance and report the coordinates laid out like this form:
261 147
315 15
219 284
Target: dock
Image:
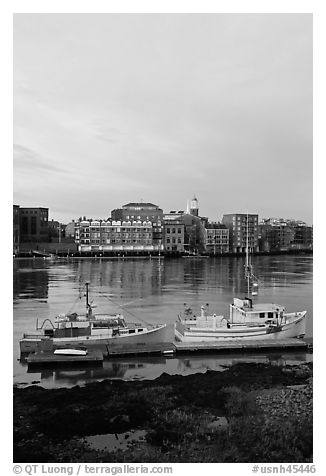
169 349
217 346
160 348
93 357
238 345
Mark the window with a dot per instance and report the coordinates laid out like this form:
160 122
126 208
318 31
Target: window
33 225
261 314
270 315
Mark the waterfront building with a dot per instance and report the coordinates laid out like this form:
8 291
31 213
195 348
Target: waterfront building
70 230
33 223
16 228
278 234
291 222
138 211
193 227
303 237
217 238
57 231
243 229
173 215
275 237
118 236
174 236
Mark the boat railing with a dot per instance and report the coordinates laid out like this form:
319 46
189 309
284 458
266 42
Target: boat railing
35 336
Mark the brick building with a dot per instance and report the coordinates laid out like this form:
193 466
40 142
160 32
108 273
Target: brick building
138 211
174 236
118 236
16 228
217 238
33 224
243 229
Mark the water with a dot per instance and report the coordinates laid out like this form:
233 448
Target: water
151 290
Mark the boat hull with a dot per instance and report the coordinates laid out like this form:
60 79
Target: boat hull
295 328
157 334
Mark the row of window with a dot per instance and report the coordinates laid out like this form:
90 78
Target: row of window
109 242
110 229
216 241
168 230
250 218
174 240
115 235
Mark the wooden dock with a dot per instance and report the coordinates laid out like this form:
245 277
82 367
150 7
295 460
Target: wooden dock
239 345
160 348
171 349
93 357
229 346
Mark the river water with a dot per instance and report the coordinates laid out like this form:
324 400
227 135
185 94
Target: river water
151 290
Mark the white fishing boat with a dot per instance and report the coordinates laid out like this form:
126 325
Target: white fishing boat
91 330
247 320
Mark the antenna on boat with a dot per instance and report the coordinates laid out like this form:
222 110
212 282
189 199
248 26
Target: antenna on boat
248 266
88 306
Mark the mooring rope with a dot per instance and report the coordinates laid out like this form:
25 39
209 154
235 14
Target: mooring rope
124 309
74 304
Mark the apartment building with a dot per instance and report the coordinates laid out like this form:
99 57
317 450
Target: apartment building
174 236
217 238
243 229
118 236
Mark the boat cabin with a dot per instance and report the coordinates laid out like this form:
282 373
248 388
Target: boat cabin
243 311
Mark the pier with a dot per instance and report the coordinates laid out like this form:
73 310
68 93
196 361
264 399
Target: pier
217 346
169 349
238 345
42 359
160 348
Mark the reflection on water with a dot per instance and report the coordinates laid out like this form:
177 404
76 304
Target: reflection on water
150 290
30 281
151 368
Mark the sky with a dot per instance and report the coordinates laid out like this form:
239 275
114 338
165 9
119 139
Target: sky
118 108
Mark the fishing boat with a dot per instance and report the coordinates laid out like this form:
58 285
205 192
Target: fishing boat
90 330
247 319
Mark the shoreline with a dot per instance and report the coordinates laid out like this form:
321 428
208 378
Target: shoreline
74 254
229 416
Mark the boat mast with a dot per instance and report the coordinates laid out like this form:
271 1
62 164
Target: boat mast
247 256
251 279
88 306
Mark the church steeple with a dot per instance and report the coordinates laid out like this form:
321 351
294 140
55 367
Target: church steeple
194 209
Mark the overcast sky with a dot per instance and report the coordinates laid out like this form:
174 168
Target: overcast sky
113 108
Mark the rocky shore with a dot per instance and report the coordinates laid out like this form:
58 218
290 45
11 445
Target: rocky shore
247 413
